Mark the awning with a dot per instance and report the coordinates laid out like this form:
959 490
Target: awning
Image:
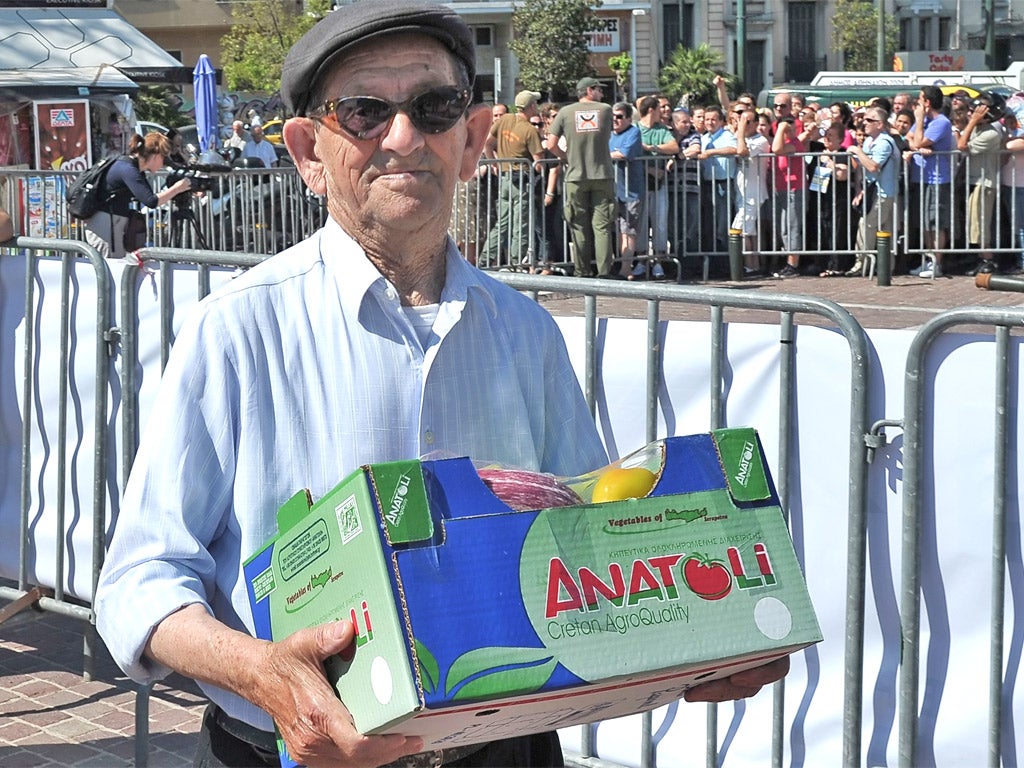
61 82
73 38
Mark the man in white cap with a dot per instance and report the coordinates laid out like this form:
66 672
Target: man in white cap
517 145
371 341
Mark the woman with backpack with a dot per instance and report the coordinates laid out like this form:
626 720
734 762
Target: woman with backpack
107 230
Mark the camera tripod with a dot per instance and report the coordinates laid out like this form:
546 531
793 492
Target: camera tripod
182 215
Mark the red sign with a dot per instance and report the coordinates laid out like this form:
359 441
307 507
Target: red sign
63 138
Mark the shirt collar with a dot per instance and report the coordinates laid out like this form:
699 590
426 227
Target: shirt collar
343 256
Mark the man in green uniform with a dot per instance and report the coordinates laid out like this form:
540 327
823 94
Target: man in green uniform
589 177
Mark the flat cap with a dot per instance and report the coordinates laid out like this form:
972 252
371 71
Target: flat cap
587 82
364 20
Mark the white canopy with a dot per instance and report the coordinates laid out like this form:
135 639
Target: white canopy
74 38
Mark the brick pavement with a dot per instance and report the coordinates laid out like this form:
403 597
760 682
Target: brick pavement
51 716
907 303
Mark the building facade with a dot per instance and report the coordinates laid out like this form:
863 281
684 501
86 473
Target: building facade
785 41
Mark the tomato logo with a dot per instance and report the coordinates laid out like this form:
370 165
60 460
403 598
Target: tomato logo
707 578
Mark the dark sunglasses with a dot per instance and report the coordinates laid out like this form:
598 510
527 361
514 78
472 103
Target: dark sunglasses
618 117
871 120
781 106
536 123
366 117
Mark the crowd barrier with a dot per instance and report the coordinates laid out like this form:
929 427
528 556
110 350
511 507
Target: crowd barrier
501 218
117 365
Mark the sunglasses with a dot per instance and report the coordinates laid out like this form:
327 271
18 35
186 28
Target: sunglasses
871 120
366 117
618 117
536 123
781 106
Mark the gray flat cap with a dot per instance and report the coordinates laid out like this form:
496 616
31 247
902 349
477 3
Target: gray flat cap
363 20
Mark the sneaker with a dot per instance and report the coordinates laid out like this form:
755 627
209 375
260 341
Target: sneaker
788 271
639 271
926 267
658 272
856 270
751 272
929 272
986 267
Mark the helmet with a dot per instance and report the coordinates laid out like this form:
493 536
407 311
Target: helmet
995 102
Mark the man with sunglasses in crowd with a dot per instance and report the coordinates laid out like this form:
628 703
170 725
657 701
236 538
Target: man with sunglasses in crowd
371 341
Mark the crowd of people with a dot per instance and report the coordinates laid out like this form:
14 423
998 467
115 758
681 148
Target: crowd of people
807 186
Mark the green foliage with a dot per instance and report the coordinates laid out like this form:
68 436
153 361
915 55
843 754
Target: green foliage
622 65
690 72
156 104
549 41
855 34
253 51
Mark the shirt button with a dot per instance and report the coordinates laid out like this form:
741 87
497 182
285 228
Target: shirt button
391 294
428 437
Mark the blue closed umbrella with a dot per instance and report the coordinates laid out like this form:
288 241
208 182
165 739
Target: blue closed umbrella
205 84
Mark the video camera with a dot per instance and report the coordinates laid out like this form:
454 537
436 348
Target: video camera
199 175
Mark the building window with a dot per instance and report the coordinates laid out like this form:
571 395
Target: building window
678 28
484 36
803 60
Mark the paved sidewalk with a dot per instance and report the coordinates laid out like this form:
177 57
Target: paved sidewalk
51 716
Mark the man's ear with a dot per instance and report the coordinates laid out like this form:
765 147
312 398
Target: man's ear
478 125
299 135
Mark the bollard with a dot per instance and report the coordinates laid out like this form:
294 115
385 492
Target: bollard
884 258
735 255
999 283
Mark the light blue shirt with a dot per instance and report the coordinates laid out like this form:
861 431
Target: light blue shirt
883 151
723 167
263 150
291 377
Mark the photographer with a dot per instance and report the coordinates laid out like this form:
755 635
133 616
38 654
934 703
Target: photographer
108 230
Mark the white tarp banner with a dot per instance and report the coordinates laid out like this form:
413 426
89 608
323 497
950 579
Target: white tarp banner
956 541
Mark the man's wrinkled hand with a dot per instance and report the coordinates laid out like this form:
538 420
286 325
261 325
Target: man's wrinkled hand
315 725
741 685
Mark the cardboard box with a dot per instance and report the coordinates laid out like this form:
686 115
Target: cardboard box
476 622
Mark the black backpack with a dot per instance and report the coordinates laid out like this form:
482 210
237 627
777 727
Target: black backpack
87 193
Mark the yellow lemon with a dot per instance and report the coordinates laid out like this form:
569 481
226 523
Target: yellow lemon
623 483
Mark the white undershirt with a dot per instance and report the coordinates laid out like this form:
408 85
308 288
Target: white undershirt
422 319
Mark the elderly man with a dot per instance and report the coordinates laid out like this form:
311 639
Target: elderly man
237 139
260 149
368 342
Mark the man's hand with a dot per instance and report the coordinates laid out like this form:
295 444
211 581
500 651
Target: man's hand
316 726
741 685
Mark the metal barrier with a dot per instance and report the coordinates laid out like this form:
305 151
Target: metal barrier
913 426
74 253
716 300
25 594
502 220
592 290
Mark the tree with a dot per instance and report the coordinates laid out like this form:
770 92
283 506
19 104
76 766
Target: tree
263 30
689 74
854 23
622 65
158 104
550 42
